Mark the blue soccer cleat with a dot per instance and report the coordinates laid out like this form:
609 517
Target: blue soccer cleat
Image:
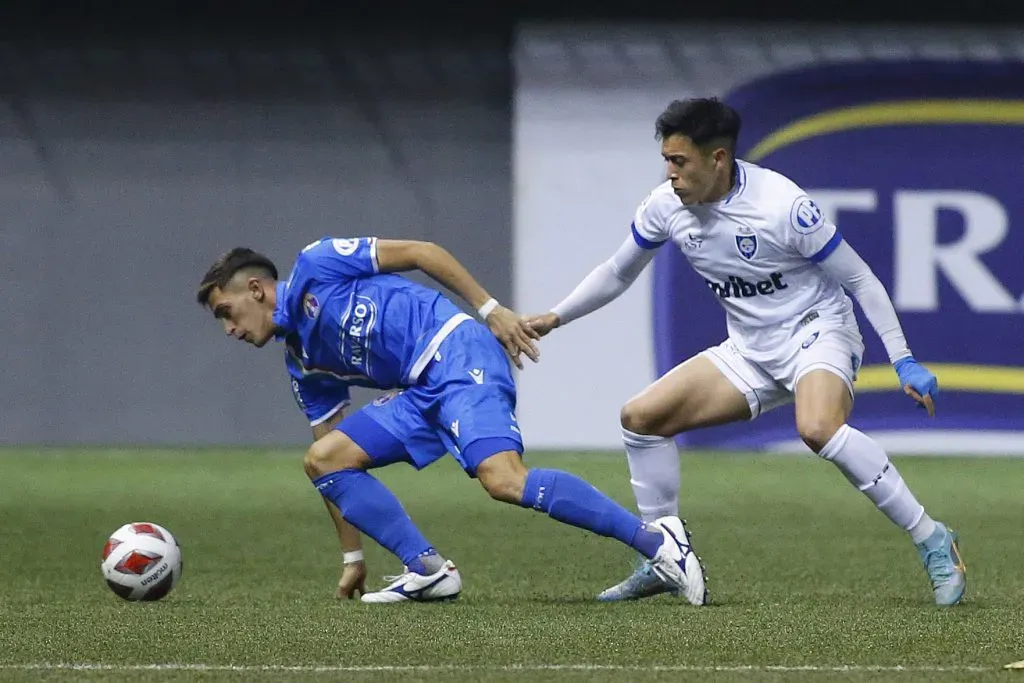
941 558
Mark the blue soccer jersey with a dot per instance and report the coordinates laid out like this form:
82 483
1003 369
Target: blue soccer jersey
344 323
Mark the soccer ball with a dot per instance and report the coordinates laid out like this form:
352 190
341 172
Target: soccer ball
141 561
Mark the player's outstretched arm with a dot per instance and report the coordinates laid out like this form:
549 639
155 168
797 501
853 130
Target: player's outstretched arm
395 256
353 573
849 269
601 286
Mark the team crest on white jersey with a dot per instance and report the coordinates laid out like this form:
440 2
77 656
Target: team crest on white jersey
747 245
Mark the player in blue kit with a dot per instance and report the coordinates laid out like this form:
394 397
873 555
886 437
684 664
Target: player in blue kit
347 319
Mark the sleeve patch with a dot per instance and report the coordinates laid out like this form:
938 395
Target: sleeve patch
806 217
346 247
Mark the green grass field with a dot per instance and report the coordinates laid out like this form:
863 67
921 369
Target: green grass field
806 577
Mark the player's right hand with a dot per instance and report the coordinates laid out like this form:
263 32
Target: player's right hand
514 334
542 324
352 581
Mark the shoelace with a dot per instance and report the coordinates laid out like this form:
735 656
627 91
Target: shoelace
935 558
392 578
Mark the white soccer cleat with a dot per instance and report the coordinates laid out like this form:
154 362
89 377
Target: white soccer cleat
444 584
677 564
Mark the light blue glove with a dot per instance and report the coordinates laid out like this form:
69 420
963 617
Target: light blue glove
917 379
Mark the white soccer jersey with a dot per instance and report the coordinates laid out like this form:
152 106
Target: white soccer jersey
758 251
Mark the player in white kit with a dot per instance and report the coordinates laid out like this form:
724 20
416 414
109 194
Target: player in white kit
779 268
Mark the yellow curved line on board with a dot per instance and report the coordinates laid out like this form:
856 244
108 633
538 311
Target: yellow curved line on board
984 379
906 113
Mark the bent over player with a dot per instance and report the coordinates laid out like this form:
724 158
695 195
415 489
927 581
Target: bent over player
779 268
346 318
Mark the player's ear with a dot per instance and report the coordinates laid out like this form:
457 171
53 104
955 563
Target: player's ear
256 288
721 156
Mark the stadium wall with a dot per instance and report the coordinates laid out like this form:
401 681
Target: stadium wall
127 166
907 136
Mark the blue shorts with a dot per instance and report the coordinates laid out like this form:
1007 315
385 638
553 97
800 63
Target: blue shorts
464 404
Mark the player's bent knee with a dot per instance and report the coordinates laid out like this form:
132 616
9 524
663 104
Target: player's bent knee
817 430
332 453
503 476
637 417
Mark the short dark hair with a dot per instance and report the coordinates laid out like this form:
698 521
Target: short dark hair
704 120
228 265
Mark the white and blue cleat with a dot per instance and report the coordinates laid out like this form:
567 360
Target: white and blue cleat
444 584
675 569
941 558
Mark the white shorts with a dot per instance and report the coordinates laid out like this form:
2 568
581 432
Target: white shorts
822 344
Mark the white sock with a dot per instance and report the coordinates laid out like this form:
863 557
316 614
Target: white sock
654 474
923 529
863 462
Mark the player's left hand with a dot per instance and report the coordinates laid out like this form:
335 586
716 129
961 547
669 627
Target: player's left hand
918 382
514 334
352 581
542 324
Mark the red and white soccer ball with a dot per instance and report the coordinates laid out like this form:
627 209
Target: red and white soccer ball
141 561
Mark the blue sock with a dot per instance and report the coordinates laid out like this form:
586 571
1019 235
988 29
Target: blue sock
369 506
571 500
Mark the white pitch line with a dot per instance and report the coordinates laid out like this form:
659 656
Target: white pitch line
411 668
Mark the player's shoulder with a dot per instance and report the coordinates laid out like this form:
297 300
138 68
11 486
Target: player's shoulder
659 204
307 268
776 196
332 257
653 216
331 247
766 187
662 199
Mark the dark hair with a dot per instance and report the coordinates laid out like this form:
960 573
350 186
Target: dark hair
704 120
231 263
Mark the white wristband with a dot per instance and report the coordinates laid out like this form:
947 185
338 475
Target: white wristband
352 557
487 308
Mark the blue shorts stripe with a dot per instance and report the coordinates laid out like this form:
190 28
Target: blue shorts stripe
481 449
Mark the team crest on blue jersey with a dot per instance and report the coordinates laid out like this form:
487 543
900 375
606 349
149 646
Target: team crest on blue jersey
311 305
747 245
